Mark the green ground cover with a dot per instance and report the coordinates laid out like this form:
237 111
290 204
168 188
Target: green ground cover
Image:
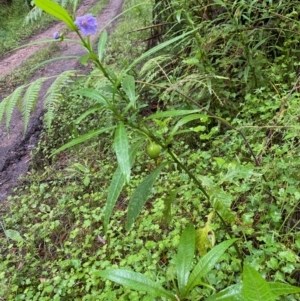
219 95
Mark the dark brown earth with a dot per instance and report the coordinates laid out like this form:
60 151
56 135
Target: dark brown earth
15 149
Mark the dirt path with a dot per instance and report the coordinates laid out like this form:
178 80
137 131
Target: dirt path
15 149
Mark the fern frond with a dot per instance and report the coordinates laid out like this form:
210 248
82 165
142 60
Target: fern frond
3 105
8 104
30 99
12 100
34 14
53 95
64 2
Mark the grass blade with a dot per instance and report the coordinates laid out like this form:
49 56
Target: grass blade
101 45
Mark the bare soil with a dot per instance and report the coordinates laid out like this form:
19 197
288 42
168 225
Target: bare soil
15 148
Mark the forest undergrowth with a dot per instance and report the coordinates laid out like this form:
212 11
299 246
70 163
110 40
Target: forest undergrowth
171 171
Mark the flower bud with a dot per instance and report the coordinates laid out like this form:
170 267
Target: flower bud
56 35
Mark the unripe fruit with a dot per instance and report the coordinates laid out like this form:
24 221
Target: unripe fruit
153 150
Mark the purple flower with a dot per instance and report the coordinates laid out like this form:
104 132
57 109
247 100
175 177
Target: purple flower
56 35
87 24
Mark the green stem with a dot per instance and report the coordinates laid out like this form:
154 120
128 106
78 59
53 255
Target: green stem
183 167
227 124
200 186
94 57
148 133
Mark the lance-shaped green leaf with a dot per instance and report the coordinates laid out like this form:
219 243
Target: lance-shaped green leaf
116 186
255 287
128 85
84 59
121 146
172 113
279 289
185 255
57 11
185 120
93 94
82 139
101 45
206 264
140 196
231 293
135 281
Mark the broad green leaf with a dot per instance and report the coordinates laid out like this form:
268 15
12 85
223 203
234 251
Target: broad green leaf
93 94
185 255
55 10
149 298
172 113
116 186
121 146
206 264
14 235
231 293
140 196
86 181
82 139
222 209
135 281
279 289
101 45
128 85
185 120
238 171
255 287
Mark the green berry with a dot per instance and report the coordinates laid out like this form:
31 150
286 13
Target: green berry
153 150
